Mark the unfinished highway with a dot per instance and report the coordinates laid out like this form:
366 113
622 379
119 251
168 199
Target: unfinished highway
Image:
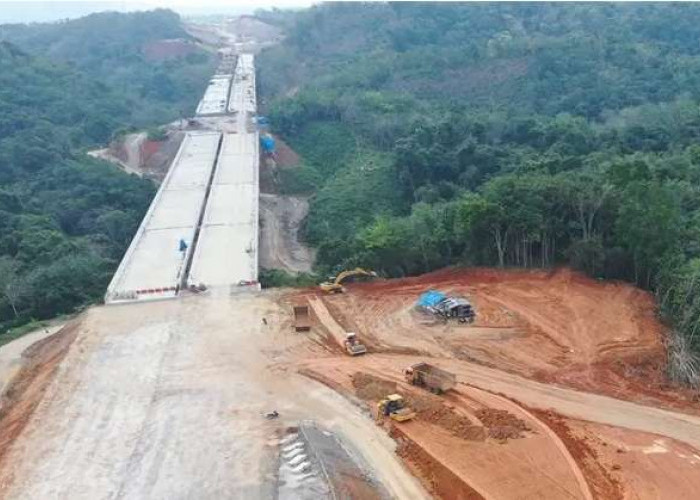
226 252
202 225
213 396
167 398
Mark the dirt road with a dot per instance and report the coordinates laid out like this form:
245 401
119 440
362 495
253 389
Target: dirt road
280 248
132 149
11 353
576 404
106 154
166 400
553 344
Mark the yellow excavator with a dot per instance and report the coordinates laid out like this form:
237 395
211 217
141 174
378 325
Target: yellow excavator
335 285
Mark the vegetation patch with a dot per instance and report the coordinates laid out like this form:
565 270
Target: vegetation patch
65 218
505 134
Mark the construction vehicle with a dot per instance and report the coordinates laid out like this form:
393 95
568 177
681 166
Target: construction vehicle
446 307
431 377
353 346
335 284
302 321
394 407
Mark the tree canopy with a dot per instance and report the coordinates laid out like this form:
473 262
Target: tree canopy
527 135
65 218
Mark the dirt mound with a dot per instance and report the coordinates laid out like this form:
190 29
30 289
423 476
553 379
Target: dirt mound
371 388
432 409
428 408
502 425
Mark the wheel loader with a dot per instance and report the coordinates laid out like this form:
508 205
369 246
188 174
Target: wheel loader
394 407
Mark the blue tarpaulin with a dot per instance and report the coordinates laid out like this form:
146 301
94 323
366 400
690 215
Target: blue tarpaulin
268 143
431 298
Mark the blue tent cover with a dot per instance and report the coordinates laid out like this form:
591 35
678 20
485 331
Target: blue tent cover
268 143
431 298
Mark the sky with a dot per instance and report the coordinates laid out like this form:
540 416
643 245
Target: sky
27 11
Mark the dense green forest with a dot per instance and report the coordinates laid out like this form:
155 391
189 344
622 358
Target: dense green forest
527 135
66 219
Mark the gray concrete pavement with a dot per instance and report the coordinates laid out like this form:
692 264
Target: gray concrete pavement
209 199
215 98
152 266
226 253
227 249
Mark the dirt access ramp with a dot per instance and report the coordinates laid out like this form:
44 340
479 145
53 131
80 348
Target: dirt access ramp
571 403
528 462
280 245
555 326
326 319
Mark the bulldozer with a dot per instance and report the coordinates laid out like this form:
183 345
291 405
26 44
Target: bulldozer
353 346
394 407
335 283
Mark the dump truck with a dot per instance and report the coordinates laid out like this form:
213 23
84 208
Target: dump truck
335 283
446 307
353 346
394 407
302 320
431 377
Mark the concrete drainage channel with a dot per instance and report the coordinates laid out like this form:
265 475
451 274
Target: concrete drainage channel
314 464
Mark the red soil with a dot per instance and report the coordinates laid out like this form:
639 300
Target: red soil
438 479
603 485
27 388
284 155
149 148
558 327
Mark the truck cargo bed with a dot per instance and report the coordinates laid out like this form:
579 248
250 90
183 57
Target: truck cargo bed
302 320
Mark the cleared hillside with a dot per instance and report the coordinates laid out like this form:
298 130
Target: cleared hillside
526 135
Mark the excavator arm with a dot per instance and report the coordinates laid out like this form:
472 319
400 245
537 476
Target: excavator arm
358 271
336 286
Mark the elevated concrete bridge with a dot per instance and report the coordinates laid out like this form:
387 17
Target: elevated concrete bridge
202 225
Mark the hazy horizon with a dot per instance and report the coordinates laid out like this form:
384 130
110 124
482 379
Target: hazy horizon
50 11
